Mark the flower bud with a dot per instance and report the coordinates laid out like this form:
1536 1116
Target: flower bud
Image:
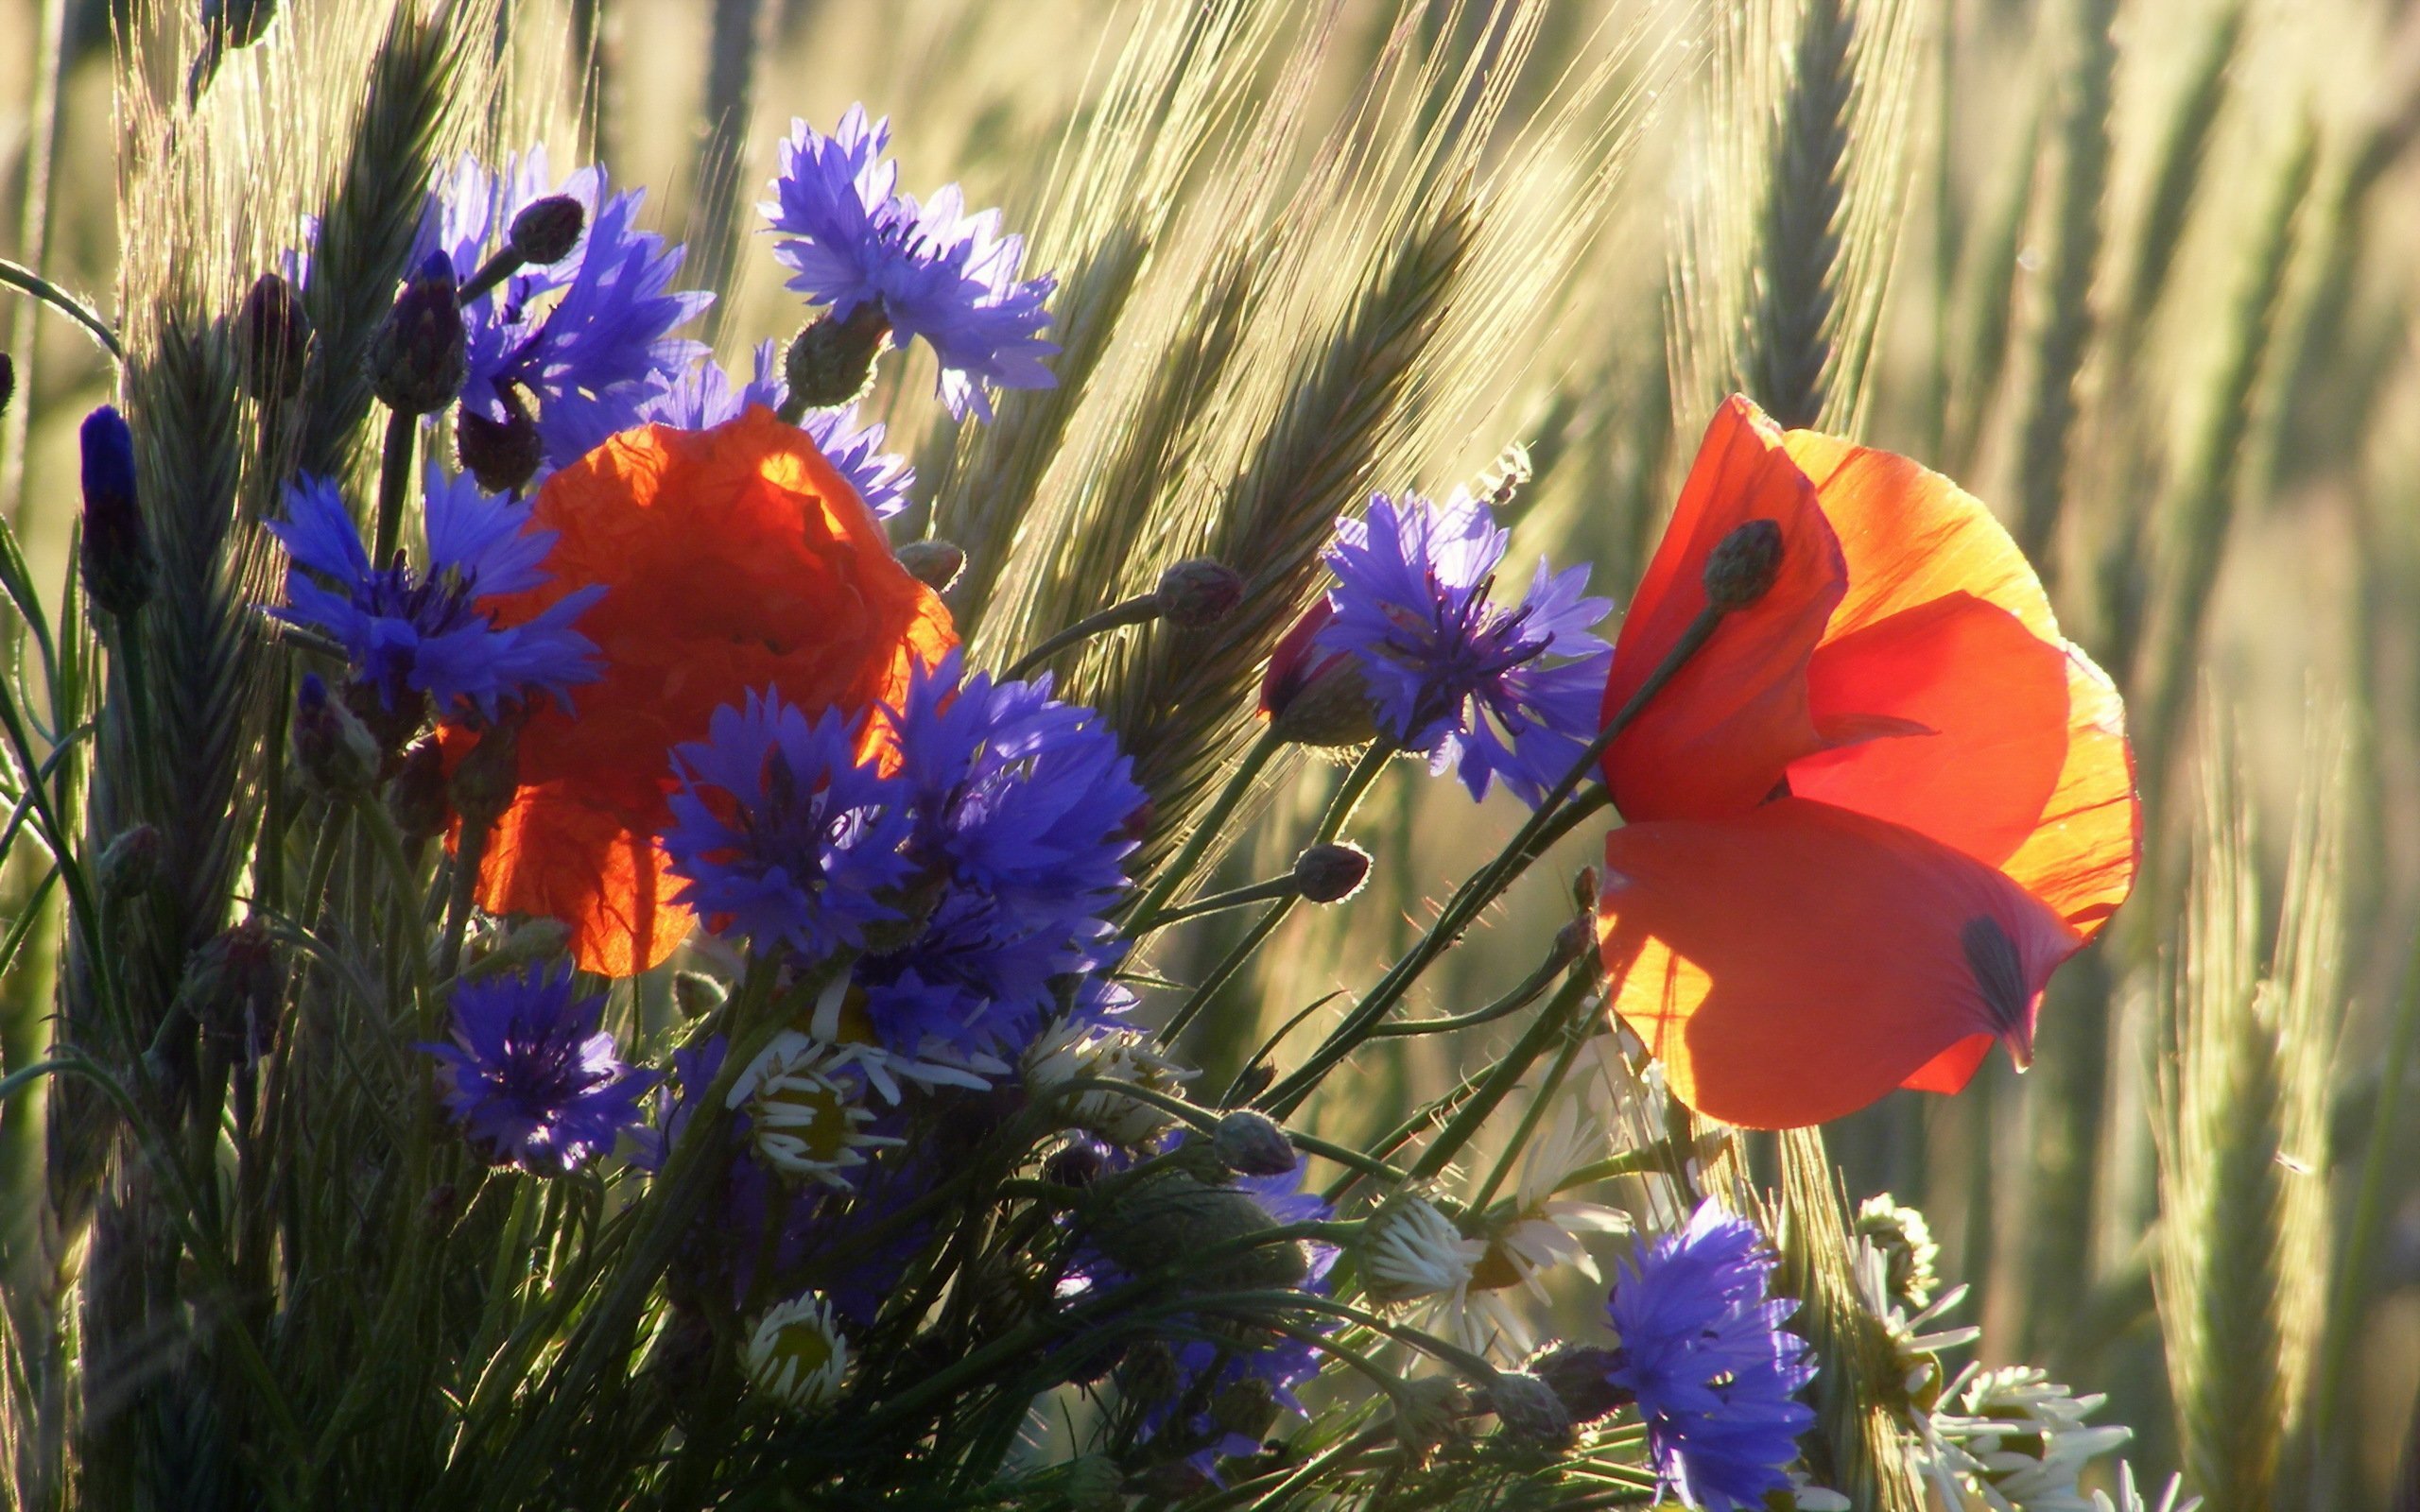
696 994
1528 1409
933 563
1198 592
1743 564
1251 1143
1580 1377
1315 697
547 230
1149 1372
1430 1412
830 363
336 751
419 356
1244 1407
1331 873
1170 1218
132 863
7 380
1905 1243
114 552
1078 1165
416 795
230 986
503 455
489 775
277 340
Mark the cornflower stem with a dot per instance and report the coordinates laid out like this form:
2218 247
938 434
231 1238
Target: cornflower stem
394 482
1489 884
1206 832
469 858
1340 810
1275 890
1140 610
1532 987
493 271
1529 1118
403 882
1501 1080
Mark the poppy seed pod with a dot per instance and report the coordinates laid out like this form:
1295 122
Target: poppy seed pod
1743 564
331 745
418 358
1331 873
1250 1144
1198 592
547 230
933 563
830 363
277 339
114 552
1580 1377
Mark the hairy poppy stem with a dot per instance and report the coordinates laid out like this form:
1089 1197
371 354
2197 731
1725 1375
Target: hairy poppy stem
395 481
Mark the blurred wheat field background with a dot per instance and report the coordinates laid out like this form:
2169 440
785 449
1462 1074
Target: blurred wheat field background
2139 272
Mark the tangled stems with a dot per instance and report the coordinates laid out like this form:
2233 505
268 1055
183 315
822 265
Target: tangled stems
1147 909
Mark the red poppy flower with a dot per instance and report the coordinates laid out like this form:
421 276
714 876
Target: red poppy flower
1874 813
735 560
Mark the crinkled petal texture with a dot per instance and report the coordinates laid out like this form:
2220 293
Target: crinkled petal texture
1796 962
735 558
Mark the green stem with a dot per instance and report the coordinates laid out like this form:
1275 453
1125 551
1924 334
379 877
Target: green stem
1205 834
1275 890
1501 1080
1140 610
469 857
17 276
1532 987
394 484
1529 1117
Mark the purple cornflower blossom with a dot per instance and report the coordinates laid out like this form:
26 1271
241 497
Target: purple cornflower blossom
1498 693
1714 1371
589 336
423 632
705 396
1019 806
781 836
850 238
535 1083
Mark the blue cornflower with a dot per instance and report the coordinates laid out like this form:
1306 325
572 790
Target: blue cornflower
1019 809
780 835
535 1082
415 632
1509 694
1704 1352
589 337
850 238
704 396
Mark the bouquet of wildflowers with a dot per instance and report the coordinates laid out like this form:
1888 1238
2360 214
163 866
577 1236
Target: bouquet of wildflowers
623 945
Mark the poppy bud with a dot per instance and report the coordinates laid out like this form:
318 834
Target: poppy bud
1528 1409
1331 873
1581 1379
933 563
7 380
1743 564
1584 892
132 863
116 557
503 455
489 777
830 363
416 795
1198 593
696 994
547 230
1251 1143
277 340
1314 697
334 749
419 356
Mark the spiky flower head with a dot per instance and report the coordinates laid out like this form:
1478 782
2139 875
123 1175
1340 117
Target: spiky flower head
534 1082
1494 693
851 239
2019 1440
797 1353
1411 1251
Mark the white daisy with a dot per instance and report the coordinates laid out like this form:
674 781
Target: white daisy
797 1355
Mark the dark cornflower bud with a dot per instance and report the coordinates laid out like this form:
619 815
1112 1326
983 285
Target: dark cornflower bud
547 230
489 777
416 796
933 563
1078 1165
1251 1143
830 363
132 863
1149 1372
1315 697
1743 564
1579 1377
1428 1413
1198 593
7 380
502 454
1245 1407
419 356
1331 873
1528 1409
696 994
277 340
115 554
334 749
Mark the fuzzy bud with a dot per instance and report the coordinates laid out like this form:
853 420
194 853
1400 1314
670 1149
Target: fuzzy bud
115 553
419 356
933 563
504 454
416 794
696 994
1169 1218
277 340
335 749
132 863
1149 1372
1244 1407
1743 564
1198 592
1331 873
489 775
1315 697
1573 941
1528 1409
1579 1377
230 986
830 363
547 230
1429 1413
1251 1143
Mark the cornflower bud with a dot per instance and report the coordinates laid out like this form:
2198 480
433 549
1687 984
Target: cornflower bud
277 340
1428 1413
1245 1407
1743 564
830 363
547 230
1528 1409
933 563
1251 1143
115 556
132 863
503 455
1149 1373
1579 1377
230 984
1331 873
418 358
1198 592
335 751
489 777
416 796
1170 1218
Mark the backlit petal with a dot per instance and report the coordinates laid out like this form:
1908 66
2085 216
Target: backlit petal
2083 854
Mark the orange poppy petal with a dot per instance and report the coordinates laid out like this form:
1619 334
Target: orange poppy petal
1992 695
1797 962
1718 736
2083 854
557 855
1910 536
